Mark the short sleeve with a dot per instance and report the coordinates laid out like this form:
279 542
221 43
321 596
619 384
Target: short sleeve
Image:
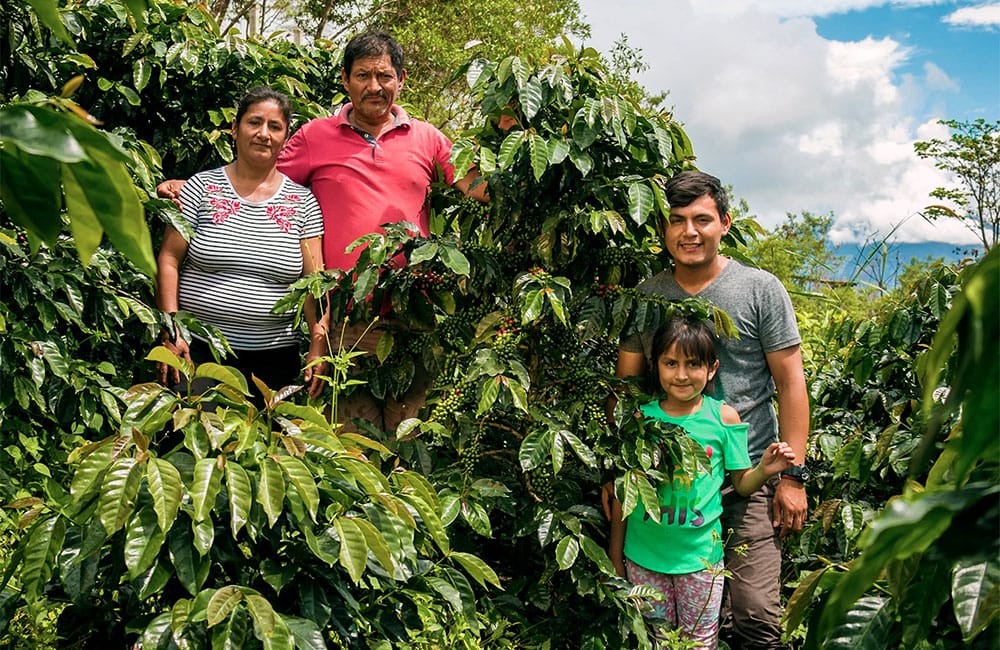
192 194
734 452
312 216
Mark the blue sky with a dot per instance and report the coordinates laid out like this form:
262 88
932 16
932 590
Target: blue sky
814 105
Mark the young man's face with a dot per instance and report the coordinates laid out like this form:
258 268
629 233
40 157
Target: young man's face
373 86
693 233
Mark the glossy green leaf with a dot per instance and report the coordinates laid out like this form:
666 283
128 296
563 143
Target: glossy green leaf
431 519
36 211
866 626
376 544
477 568
48 14
40 551
203 536
190 568
534 450
455 260
567 551
222 603
583 130
975 592
223 374
164 484
117 500
143 540
353 547
640 202
488 394
160 354
302 479
271 489
205 487
531 97
269 628
40 131
509 148
596 554
240 493
306 635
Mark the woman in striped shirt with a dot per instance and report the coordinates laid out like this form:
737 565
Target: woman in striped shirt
255 233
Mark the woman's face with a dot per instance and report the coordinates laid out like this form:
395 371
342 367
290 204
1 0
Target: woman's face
261 132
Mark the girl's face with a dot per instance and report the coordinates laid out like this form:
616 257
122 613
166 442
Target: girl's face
261 132
683 377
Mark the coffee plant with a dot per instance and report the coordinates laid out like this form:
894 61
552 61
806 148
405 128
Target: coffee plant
139 515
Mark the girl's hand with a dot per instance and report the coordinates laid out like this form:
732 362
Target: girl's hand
778 457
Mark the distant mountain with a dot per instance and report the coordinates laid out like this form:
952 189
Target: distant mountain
897 255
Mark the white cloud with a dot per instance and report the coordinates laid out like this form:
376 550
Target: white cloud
938 79
793 121
986 15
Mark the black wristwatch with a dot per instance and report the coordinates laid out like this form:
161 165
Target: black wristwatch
798 473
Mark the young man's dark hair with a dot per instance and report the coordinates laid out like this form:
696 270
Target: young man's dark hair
373 44
686 187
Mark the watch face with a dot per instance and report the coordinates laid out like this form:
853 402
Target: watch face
800 472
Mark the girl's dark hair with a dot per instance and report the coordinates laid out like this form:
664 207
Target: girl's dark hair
261 94
694 337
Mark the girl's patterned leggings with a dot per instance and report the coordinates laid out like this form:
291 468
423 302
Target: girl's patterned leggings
691 600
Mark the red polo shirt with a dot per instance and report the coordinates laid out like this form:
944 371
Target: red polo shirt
361 182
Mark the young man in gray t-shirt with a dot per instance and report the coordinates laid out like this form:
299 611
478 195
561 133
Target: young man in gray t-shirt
764 359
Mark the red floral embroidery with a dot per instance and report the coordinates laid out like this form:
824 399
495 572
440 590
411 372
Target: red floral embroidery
292 198
224 208
212 187
281 215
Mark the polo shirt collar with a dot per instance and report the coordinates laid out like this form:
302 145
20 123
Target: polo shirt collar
400 116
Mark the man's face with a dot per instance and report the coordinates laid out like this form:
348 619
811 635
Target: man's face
693 232
373 86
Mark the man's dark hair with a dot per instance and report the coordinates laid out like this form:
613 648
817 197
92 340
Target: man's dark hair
260 94
686 187
373 44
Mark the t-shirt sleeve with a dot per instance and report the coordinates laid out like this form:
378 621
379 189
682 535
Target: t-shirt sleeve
778 327
734 452
192 193
312 216
294 159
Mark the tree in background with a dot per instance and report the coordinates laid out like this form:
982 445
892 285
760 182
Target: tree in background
972 155
437 37
798 252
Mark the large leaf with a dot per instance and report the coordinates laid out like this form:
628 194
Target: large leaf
143 540
302 479
117 500
270 489
476 568
975 592
48 14
907 526
353 547
205 486
240 493
222 603
38 210
40 550
164 484
866 626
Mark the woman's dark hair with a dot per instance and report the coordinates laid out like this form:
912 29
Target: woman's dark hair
373 44
261 94
694 337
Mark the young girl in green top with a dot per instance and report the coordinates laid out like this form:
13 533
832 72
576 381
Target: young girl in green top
681 556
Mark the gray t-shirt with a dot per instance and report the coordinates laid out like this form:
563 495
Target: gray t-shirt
762 314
